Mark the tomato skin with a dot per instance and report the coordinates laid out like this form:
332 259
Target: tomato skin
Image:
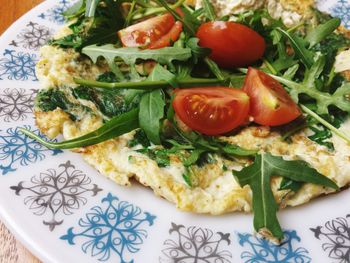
232 44
168 38
157 32
270 105
211 110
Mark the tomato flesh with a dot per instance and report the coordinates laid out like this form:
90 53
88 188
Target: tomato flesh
232 44
270 105
168 38
156 32
211 110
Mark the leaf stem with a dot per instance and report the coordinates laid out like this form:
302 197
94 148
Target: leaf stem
147 84
270 67
216 70
155 10
292 29
325 123
130 14
176 15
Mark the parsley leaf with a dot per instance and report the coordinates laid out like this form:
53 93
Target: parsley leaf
258 176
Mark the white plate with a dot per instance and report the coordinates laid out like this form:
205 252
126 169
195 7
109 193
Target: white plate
64 211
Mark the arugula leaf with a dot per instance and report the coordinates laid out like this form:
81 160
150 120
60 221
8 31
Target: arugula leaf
322 31
313 74
117 126
75 10
151 112
299 46
339 99
190 22
91 6
197 51
212 144
152 104
100 29
258 176
164 56
160 73
287 184
209 10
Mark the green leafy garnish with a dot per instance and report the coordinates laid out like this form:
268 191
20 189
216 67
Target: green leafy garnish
322 31
300 47
151 112
91 6
117 126
209 10
258 177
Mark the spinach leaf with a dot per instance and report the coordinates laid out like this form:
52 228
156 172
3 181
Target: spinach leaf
49 100
53 98
258 176
140 137
160 156
109 102
189 176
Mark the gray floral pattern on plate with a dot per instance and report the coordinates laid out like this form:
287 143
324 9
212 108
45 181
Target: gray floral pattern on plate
56 192
195 245
33 36
335 237
16 104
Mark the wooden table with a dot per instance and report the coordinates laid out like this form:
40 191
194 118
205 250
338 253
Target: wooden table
11 251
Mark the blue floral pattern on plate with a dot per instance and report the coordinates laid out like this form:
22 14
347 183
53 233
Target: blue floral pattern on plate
55 14
258 250
16 150
342 9
18 65
114 227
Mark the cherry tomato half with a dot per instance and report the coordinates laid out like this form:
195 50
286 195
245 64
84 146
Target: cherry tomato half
232 44
156 32
211 110
270 104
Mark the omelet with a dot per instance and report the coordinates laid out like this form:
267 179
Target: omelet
216 190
